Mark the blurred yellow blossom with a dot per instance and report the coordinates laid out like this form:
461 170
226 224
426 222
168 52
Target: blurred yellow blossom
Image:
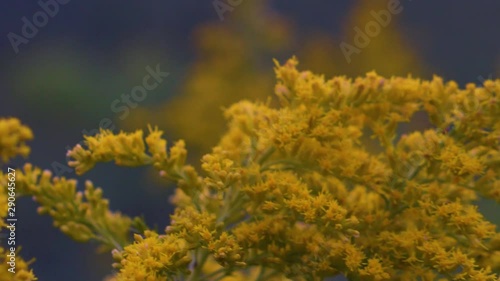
13 137
233 63
228 67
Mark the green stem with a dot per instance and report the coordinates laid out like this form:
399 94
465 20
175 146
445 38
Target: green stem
290 162
197 272
261 274
215 273
225 212
266 155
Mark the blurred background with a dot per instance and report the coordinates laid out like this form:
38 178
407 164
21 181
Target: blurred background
68 67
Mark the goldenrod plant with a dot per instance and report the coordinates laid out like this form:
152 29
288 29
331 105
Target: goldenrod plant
13 138
291 192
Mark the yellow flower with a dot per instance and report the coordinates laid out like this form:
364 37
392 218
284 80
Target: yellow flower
20 272
152 258
13 137
375 270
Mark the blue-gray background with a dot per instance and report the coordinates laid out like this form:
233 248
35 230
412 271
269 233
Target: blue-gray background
64 80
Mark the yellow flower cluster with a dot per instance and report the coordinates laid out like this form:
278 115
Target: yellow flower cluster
152 258
22 272
293 192
81 215
13 137
123 149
